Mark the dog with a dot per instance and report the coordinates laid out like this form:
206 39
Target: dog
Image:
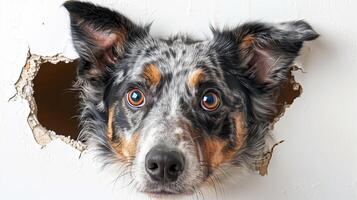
174 111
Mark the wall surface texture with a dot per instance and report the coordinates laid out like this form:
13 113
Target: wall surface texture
318 159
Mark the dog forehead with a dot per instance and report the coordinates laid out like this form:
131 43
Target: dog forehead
175 54
175 58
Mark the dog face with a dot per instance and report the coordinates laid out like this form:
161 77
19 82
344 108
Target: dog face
175 111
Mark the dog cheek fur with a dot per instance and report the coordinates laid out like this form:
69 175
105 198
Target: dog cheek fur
93 120
218 151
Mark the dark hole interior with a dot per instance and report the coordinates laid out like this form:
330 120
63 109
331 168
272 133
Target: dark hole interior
57 102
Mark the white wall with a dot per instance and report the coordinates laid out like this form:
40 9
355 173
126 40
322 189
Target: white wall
317 161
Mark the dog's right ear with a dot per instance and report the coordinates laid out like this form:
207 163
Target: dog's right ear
100 35
264 52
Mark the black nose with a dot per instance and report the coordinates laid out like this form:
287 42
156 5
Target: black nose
163 164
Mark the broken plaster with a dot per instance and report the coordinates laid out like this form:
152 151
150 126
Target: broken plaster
24 88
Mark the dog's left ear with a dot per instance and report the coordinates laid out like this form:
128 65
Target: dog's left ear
264 52
100 35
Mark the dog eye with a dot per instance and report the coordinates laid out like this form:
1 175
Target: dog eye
210 101
135 98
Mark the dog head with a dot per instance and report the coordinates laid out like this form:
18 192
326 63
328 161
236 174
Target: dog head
174 111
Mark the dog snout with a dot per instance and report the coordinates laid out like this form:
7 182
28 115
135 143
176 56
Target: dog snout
163 164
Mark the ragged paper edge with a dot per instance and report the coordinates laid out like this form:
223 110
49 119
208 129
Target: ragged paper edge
262 166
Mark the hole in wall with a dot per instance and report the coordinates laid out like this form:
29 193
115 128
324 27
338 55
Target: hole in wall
46 83
57 101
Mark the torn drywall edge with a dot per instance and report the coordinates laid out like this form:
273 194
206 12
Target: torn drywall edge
289 86
262 166
24 88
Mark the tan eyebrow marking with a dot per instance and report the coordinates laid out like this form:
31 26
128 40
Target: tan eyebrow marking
152 74
247 41
195 77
